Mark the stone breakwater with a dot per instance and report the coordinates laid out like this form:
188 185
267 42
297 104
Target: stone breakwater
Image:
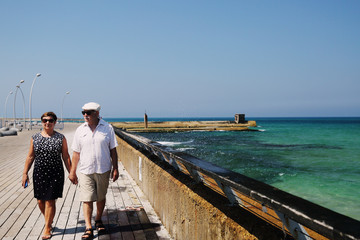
182 126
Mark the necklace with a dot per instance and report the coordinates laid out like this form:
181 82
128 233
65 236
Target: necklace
45 134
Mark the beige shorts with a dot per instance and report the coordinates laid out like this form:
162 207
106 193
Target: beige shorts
93 187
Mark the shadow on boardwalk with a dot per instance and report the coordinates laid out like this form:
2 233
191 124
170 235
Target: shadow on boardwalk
128 214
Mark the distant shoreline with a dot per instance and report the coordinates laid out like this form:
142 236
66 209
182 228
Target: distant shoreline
137 119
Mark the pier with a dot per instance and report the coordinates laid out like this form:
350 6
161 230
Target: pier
164 194
128 214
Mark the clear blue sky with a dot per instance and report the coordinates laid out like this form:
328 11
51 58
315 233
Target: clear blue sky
182 58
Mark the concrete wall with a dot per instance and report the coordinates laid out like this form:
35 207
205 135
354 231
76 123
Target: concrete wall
189 210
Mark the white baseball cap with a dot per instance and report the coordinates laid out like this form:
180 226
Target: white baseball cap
91 106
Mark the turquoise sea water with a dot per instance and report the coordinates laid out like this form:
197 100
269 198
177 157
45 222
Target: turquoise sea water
317 159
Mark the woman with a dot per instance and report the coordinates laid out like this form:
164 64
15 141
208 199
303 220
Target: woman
46 149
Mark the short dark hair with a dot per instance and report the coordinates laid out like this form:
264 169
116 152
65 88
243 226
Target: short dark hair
49 114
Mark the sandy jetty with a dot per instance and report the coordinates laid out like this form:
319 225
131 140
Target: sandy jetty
127 213
182 126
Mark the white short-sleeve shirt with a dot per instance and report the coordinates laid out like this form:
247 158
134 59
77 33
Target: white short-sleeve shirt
94 147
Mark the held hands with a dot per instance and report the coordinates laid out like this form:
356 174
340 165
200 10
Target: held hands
114 176
73 178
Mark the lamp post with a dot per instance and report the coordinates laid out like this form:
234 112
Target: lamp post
23 105
62 105
6 104
32 85
17 87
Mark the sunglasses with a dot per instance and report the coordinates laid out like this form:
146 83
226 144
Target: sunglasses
47 120
87 112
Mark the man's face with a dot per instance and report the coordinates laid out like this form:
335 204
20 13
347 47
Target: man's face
90 116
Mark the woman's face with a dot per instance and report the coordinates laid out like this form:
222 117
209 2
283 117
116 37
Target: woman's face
48 122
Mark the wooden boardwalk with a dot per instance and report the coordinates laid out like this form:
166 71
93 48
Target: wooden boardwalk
128 214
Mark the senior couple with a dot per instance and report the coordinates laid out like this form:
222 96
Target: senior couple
94 156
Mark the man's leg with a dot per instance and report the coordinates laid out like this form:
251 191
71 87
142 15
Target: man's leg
101 190
88 209
100 209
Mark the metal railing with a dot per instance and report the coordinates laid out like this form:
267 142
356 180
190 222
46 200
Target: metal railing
297 217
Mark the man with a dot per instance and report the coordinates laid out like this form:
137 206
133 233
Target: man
94 154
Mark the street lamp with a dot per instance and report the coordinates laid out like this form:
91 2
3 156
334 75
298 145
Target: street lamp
18 87
32 85
23 106
62 106
6 104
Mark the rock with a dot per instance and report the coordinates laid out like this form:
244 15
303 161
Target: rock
10 132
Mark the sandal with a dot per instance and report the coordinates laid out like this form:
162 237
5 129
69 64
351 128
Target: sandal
47 236
88 234
100 227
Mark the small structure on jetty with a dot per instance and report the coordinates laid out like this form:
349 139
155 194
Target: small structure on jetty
240 118
181 126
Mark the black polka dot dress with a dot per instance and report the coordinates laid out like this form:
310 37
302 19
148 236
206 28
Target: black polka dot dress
48 175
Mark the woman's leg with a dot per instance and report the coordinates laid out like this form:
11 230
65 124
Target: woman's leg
41 204
50 209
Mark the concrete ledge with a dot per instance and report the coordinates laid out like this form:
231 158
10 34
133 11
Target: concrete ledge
187 209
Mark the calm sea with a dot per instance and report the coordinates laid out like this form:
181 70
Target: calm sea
317 159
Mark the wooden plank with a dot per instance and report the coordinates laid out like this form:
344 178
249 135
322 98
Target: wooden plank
30 222
123 221
146 225
159 228
20 217
113 229
22 213
12 192
105 219
63 211
12 214
38 227
125 194
130 208
80 227
135 225
71 226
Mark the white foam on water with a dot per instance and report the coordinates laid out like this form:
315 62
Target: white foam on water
184 149
171 144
